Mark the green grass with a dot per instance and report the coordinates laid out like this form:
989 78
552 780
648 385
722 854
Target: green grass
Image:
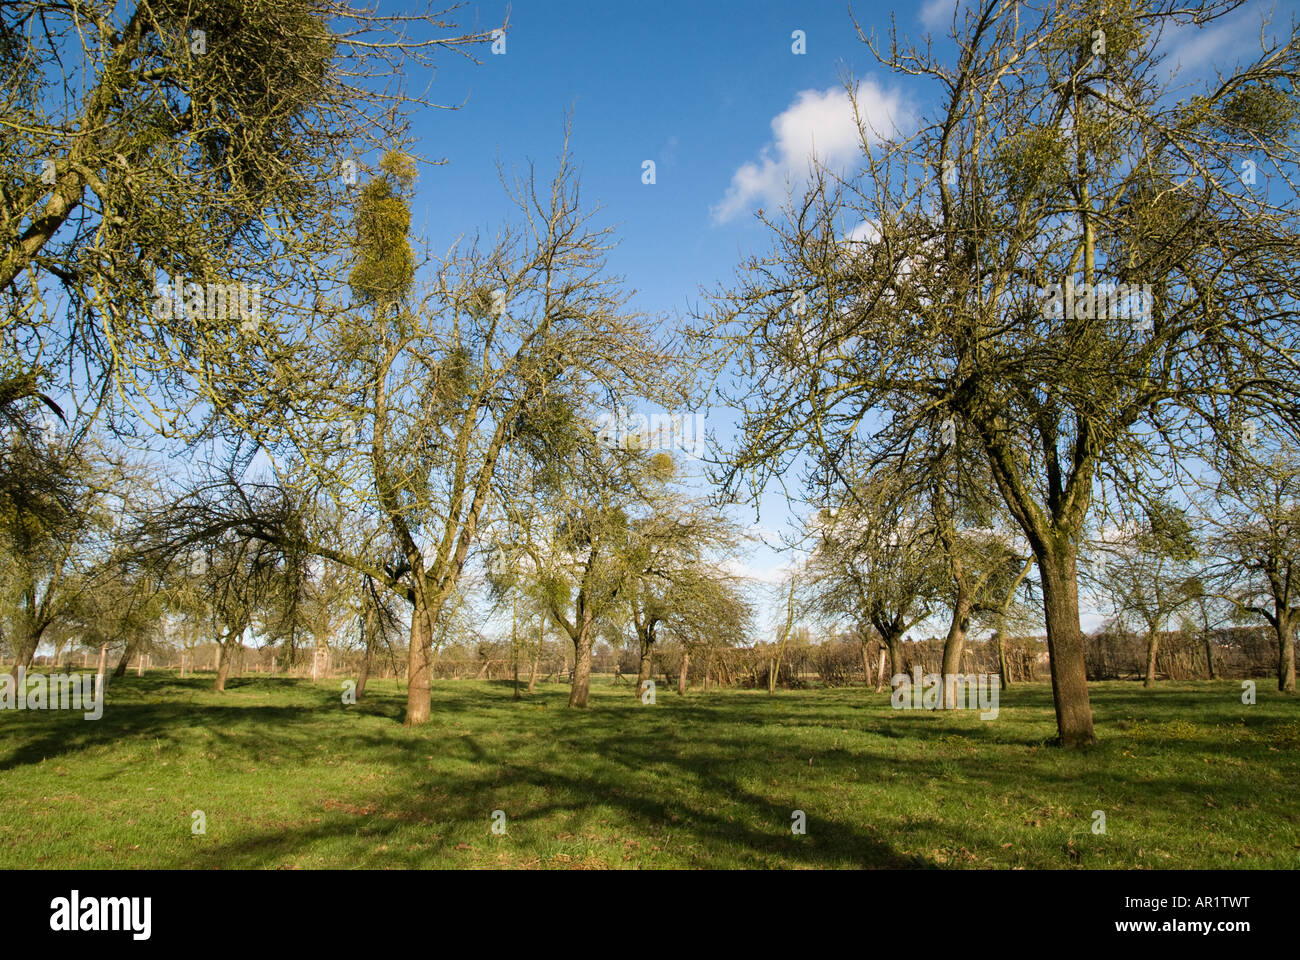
288 777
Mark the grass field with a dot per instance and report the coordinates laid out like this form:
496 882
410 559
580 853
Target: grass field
288 777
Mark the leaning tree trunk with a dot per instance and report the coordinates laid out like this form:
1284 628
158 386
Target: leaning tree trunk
1286 654
1209 655
681 676
1065 646
120 670
419 668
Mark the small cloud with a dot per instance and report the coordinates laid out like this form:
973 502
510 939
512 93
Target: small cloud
937 14
820 126
772 576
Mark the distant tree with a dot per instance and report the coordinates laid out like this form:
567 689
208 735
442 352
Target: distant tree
675 570
1254 512
874 559
1148 573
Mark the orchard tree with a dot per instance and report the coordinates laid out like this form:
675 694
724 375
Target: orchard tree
1089 275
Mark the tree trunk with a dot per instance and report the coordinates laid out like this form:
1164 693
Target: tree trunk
24 650
223 667
419 668
645 669
1004 675
581 666
867 678
1286 654
120 670
954 645
681 677
894 641
1065 647
514 642
1209 655
365 671
368 627
1153 645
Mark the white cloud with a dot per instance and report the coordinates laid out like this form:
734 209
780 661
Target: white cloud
937 14
1195 50
767 576
819 124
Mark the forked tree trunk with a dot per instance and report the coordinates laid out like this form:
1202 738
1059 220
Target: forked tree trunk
24 651
1065 647
419 668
